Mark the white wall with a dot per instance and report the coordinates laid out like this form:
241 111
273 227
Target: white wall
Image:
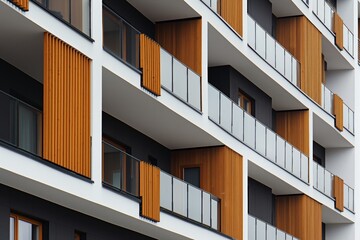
339 231
340 161
341 82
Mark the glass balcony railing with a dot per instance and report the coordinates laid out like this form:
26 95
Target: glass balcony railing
120 38
213 4
323 180
188 201
260 230
327 103
348 40
273 53
325 13
21 124
348 197
180 80
74 12
120 170
229 116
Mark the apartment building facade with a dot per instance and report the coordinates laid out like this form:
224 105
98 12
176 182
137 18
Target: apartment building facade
179 119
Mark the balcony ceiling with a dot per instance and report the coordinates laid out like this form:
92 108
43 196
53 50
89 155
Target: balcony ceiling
334 59
284 8
164 10
21 42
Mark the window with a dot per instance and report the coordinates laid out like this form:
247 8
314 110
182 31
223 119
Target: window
22 228
192 175
79 235
246 103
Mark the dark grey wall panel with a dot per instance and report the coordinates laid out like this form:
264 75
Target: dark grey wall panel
132 16
230 81
140 145
261 201
59 222
319 152
261 12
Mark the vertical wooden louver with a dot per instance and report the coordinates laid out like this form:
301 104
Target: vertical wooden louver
150 191
22 4
231 11
66 106
339 193
339 31
150 64
338 112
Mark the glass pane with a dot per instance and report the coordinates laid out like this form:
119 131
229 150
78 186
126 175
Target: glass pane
280 235
12 228
345 116
346 196
345 38
280 151
166 69
315 167
26 231
249 130
321 173
304 168
260 230
260 41
294 70
328 183
194 89
112 35
238 123
328 100
270 232
214 4
8 131
206 209
251 228
214 214
60 8
351 121
180 197
80 13
113 170
192 176
131 180
351 199
214 104
288 66
27 129
288 237
320 12
260 138
194 203
130 47
270 50
165 190
225 112
251 33
180 79
270 145
296 162
288 156
328 16
280 57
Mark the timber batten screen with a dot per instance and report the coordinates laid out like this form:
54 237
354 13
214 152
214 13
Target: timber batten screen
66 130
22 4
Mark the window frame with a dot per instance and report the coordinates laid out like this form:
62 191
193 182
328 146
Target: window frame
242 96
18 218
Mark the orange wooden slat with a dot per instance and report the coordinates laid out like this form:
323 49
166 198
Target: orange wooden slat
231 11
339 31
339 193
338 112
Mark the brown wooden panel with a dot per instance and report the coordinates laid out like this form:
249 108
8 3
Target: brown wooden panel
339 31
338 112
303 40
231 11
182 39
150 191
150 64
339 193
300 216
66 116
293 126
221 174
22 4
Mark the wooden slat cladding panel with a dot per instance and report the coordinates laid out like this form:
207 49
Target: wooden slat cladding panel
339 31
231 11
22 4
221 174
150 191
303 40
182 39
300 216
293 126
150 64
338 112
339 193
66 129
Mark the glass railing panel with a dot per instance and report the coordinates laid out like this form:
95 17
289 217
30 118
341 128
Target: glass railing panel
289 237
179 79
214 104
280 235
321 178
194 89
179 197
328 15
351 199
260 138
270 145
260 229
296 163
225 112
304 168
328 183
238 123
166 69
345 116
249 130
270 232
288 66
214 214
351 121
327 100
345 37
194 203
288 157
206 209
260 35
165 191
251 33
251 228
320 9
315 175
346 196
280 58
280 151
294 73
270 50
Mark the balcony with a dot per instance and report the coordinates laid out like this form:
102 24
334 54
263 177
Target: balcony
260 230
123 41
327 104
21 124
273 52
248 130
214 5
189 201
324 182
